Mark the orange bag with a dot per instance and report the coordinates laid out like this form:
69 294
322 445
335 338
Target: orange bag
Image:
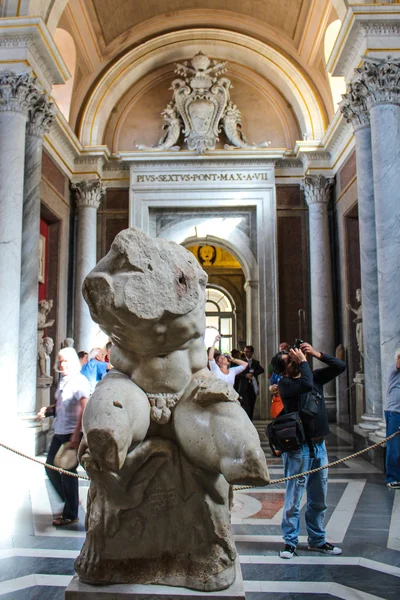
276 406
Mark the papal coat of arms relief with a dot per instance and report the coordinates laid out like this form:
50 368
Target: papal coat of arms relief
200 108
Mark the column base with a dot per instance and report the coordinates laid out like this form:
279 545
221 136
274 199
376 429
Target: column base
370 423
77 590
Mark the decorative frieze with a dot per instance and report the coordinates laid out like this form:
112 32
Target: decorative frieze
17 92
88 193
317 189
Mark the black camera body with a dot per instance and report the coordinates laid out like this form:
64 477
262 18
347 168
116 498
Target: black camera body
297 344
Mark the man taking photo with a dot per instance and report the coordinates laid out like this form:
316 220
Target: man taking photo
297 382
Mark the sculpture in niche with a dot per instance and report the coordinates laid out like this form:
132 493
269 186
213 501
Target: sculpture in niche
201 106
68 343
359 327
163 438
45 345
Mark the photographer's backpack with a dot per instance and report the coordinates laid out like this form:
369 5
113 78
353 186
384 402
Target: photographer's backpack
286 433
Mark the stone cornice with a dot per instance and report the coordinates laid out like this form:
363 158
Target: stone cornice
317 189
88 193
28 40
363 28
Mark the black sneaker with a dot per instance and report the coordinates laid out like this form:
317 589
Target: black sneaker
326 548
288 551
393 485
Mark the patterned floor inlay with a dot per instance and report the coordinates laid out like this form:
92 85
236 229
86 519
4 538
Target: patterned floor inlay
36 559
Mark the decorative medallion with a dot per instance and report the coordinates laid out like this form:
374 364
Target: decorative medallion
201 106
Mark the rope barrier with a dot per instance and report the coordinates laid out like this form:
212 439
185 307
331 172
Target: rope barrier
236 488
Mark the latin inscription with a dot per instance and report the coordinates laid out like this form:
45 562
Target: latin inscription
189 177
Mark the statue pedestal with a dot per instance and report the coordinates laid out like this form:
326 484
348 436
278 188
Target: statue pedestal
77 590
360 396
43 386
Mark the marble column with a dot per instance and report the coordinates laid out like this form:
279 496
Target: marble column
88 195
378 81
317 193
16 94
41 115
355 111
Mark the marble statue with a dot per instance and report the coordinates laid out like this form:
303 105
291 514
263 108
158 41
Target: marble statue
68 343
172 130
45 345
163 438
201 105
232 125
359 327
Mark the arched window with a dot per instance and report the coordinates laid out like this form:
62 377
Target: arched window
338 84
62 93
220 318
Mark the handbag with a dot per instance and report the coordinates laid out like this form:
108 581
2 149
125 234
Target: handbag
286 433
66 457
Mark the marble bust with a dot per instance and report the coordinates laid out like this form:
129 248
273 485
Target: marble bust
163 438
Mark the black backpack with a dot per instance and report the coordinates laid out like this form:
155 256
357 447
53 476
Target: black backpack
286 433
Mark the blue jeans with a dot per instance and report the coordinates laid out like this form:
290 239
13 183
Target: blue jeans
316 485
392 447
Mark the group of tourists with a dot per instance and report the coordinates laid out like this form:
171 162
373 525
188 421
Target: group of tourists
291 383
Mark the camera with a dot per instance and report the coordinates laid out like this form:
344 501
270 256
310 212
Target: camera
297 344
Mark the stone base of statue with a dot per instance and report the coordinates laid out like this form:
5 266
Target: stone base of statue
77 590
360 395
161 520
43 385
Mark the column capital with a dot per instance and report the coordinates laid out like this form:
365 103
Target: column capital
17 91
41 116
354 108
88 193
317 189
378 80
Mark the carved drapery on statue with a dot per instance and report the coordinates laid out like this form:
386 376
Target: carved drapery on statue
201 106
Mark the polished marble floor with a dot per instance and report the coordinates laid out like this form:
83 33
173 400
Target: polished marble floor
36 559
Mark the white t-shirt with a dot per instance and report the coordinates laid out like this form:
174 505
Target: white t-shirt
230 377
69 391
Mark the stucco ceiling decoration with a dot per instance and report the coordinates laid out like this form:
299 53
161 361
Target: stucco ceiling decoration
201 107
115 19
260 58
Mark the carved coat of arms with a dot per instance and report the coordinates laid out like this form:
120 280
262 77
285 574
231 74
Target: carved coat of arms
201 106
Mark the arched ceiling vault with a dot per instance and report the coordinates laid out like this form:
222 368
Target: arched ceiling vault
264 60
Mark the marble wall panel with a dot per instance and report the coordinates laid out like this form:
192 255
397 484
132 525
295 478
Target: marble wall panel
112 217
346 173
293 275
53 174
